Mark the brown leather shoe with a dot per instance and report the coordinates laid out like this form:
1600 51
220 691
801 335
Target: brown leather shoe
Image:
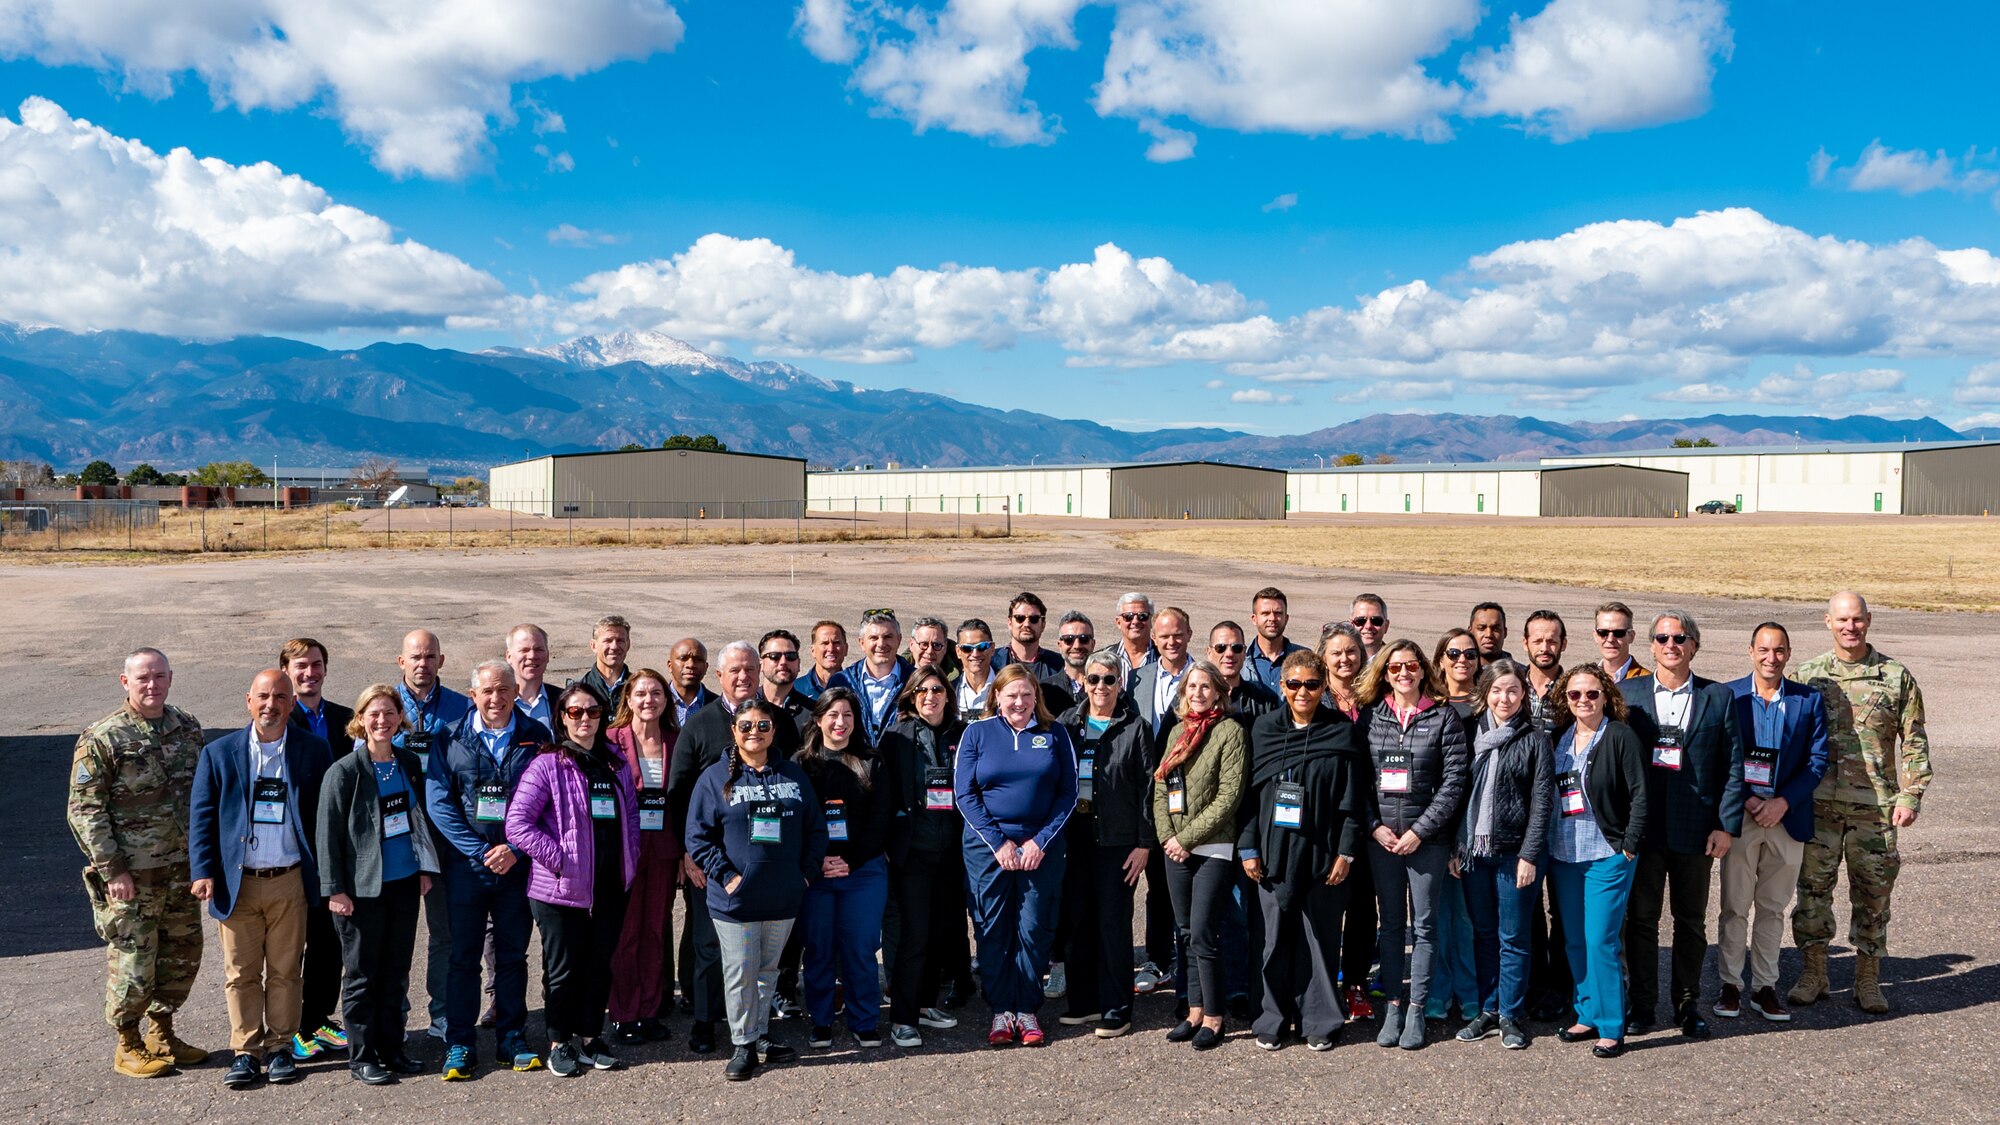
1765 1003
1729 1005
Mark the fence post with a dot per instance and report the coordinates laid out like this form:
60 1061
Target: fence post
1010 519
572 529
958 528
510 525
128 527
267 527
799 523
326 526
906 517
448 517
58 520
204 529
629 541
389 517
743 521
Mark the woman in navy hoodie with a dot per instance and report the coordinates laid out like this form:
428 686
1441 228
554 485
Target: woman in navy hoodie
756 830
576 817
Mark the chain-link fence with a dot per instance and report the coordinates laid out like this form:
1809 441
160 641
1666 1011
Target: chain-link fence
148 526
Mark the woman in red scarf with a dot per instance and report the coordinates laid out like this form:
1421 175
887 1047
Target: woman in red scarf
1196 789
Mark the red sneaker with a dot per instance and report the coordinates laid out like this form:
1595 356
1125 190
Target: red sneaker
1358 1005
1002 1033
1031 1029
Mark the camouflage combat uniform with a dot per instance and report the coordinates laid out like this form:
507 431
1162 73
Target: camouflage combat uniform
1880 762
128 806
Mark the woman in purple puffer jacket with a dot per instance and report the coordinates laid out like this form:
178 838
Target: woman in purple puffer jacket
576 816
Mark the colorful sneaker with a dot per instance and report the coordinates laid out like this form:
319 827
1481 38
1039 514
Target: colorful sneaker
1359 1007
303 1048
514 1048
1002 1032
1031 1029
1146 978
331 1036
459 1064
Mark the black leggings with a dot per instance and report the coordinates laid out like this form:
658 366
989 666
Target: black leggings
929 889
1200 890
577 947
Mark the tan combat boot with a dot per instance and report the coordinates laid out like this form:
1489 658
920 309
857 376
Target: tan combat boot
132 1059
1868 984
162 1042
1812 986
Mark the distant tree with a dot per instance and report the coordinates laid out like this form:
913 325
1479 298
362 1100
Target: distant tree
144 473
220 474
470 486
1350 459
706 442
173 479
98 472
27 474
1693 443
1384 459
631 447
376 474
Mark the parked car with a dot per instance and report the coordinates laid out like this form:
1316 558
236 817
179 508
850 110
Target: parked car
1716 508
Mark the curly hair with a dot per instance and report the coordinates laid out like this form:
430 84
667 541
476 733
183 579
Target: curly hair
1614 701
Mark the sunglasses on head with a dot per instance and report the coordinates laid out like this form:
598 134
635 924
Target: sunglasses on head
1230 650
1304 685
1461 653
1027 619
583 712
1368 620
1613 634
868 613
1670 638
1100 680
1398 666
982 646
1076 638
761 726
780 657
1577 695
1129 617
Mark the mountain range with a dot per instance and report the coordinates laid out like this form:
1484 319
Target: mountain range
68 398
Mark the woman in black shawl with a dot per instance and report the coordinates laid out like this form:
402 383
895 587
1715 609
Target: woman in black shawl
1305 827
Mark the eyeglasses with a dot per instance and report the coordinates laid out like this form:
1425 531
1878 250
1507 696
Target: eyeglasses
761 726
982 646
1577 695
930 689
1129 618
1304 685
1461 653
1368 620
1027 619
1670 638
1076 638
583 712
1229 650
1401 666
1613 634
780 657
1100 681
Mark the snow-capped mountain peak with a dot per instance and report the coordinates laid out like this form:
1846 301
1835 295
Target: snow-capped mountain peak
654 348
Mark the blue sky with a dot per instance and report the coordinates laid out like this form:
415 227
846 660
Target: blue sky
1268 214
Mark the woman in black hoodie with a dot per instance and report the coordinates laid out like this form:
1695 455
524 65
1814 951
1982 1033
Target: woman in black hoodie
1307 825
1110 840
926 870
1502 840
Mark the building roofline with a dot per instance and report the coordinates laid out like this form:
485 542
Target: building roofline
622 452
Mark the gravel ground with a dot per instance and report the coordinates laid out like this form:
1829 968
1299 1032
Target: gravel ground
63 629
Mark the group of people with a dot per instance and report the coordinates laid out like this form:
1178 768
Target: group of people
1368 829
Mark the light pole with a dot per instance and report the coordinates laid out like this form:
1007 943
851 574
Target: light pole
1322 460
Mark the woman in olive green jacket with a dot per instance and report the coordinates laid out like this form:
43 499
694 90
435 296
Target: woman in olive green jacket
1196 790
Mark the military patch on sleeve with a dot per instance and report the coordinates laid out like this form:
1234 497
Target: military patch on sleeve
83 774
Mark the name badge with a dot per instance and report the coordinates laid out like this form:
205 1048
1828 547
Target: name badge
836 820
489 803
267 801
1569 793
1289 807
1176 795
603 801
395 815
1394 775
937 789
652 810
418 742
1667 749
1086 776
767 824
1760 765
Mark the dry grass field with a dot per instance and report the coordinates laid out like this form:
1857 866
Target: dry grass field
1905 563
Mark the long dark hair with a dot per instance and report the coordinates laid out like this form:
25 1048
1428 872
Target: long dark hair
906 700
755 705
811 749
599 747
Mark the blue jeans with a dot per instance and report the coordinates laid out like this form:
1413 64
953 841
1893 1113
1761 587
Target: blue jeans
1013 921
1454 972
1593 897
1500 932
841 930
475 899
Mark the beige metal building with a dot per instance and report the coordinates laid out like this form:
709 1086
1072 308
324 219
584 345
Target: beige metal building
1489 488
651 484
1916 478
1202 490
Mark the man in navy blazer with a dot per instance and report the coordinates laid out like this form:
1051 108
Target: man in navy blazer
1694 787
251 815
1783 727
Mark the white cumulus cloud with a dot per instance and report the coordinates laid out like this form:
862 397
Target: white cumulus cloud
1801 386
98 231
420 82
1910 171
1980 388
1258 396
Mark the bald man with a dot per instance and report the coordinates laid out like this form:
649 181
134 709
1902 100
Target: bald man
251 818
1879 764
432 709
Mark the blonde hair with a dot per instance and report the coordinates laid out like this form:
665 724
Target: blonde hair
1008 675
358 729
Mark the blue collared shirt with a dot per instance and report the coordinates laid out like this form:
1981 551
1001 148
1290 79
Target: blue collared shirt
1576 839
1265 670
495 741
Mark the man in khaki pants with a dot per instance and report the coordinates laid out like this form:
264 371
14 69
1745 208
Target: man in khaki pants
250 827
1783 725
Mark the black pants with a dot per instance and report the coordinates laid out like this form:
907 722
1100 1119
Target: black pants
1162 935
376 944
1682 880
701 965
319 985
788 964
929 891
1301 957
1549 983
577 946
1200 890
1098 904
1357 938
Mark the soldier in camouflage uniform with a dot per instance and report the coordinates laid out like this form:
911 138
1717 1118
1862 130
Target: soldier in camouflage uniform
1873 786
128 806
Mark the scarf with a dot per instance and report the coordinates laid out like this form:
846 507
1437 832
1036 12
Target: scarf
1479 826
1194 729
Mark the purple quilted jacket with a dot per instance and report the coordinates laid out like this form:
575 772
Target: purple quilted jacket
548 818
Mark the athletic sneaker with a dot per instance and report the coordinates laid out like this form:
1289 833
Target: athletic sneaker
1146 978
1002 1031
514 1048
1116 1022
596 1053
459 1064
1078 1020
870 1038
1511 1035
303 1048
903 1035
1483 1025
1031 1029
1058 982
1359 1007
821 1037
936 1017
565 1061
1320 1043
332 1036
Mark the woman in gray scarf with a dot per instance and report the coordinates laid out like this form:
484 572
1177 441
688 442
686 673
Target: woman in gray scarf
1502 838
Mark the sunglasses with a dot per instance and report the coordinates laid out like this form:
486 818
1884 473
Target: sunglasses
1401 666
982 646
1304 685
583 712
1100 681
1229 650
931 689
1577 695
1027 619
1670 638
761 726
1613 634
780 657
1460 653
1368 620
1131 617
1076 638
868 613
